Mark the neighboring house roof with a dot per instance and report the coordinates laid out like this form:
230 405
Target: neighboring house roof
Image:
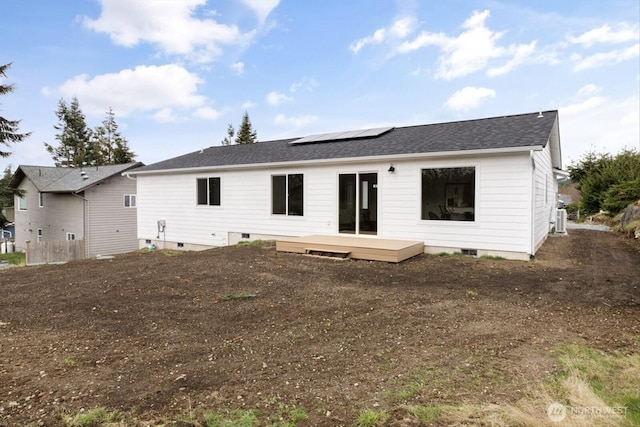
49 179
519 132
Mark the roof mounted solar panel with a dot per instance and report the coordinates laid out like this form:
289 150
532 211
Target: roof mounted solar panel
341 136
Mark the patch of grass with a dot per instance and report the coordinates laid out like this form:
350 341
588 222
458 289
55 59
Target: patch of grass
236 297
450 254
413 384
249 242
15 258
286 416
372 418
69 362
236 418
472 293
96 417
168 252
426 414
612 377
493 257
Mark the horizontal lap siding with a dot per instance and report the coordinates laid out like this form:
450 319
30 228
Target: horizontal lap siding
501 201
245 206
60 214
545 195
111 228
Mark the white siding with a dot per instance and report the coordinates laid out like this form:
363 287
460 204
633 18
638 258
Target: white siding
545 194
502 202
502 210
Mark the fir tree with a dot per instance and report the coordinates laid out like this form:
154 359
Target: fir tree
228 140
8 128
246 134
113 148
76 148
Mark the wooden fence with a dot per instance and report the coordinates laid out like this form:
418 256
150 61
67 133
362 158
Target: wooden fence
45 252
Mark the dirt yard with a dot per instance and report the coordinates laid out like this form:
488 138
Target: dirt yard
160 334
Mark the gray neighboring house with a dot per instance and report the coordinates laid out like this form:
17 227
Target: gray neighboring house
95 203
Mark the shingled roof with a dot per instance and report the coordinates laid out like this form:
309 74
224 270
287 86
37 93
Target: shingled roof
522 131
68 180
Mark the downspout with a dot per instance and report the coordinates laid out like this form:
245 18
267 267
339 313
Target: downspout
85 220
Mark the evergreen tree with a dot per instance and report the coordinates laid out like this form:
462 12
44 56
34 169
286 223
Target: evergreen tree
6 193
76 148
8 128
113 148
230 134
246 134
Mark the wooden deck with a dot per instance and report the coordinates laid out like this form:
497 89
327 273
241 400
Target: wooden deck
373 249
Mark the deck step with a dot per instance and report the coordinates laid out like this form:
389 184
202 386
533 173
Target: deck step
329 253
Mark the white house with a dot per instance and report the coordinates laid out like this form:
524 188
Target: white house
484 186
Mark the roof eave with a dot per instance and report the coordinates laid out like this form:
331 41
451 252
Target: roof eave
391 157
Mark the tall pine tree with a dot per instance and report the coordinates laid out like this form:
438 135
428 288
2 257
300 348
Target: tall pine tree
246 134
230 134
76 148
113 148
8 128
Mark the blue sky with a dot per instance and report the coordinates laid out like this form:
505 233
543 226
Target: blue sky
176 73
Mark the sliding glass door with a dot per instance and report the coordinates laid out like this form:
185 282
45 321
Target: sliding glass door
358 203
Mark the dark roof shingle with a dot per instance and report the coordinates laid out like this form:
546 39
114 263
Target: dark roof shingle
519 131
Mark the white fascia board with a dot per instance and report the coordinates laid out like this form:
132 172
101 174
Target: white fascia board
333 161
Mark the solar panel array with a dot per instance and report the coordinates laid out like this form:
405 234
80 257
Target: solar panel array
339 136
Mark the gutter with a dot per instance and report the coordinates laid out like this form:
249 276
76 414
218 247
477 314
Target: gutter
334 161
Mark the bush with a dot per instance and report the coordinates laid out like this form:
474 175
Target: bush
619 196
607 182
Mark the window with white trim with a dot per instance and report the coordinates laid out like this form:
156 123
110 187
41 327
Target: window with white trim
287 194
71 236
39 235
208 190
129 200
40 199
22 202
449 194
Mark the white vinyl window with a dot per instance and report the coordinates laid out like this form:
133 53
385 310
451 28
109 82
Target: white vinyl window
71 236
39 235
22 202
41 200
129 200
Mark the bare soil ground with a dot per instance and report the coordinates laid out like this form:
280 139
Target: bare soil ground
148 333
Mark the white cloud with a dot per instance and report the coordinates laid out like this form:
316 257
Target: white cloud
169 25
238 68
583 106
144 88
248 105
207 113
468 98
262 8
601 125
400 29
521 53
605 34
606 58
165 116
471 50
277 98
307 84
589 89
295 121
